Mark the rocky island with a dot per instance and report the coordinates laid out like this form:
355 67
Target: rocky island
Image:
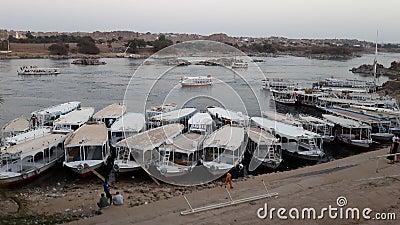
393 72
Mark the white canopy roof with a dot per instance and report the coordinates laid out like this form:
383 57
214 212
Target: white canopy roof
28 135
349 123
201 118
76 117
58 109
17 125
94 134
227 114
283 129
112 111
152 138
228 137
174 115
130 122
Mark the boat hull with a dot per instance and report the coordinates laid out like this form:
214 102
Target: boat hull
307 158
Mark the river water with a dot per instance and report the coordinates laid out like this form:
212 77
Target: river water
99 86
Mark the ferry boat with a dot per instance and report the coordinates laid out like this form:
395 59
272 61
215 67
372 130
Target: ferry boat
196 81
141 149
350 132
28 135
88 61
31 157
265 149
46 116
286 96
175 116
224 149
284 118
297 142
240 65
201 123
319 126
379 127
87 148
34 70
277 84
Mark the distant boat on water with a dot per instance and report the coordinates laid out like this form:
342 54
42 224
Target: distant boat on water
88 61
35 70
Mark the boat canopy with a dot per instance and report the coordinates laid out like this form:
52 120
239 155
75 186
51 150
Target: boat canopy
315 120
58 109
94 134
33 146
228 137
354 115
175 115
343 122
153 138
17 125
261 136
283 129
201 118
28 135
129 122
76 117
112 111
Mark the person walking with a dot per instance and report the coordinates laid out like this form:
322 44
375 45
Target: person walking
394 150
228 179
106 188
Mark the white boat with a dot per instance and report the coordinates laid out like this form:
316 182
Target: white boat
226 116
87 148
286 96
34 70
240 65
180 154
155 110
265 149
196 81
16 126
142 147
110 113
349 85
126 126
73 120
319 126
277 84
379 127
175 116
224 149
296 141
30 134
284 118
350 132
30 158
47 115
201 123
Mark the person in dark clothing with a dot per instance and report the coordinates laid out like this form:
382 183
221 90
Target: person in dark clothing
102 202
394 150
106 188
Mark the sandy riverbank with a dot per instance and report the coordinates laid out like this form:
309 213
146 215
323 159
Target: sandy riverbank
146 203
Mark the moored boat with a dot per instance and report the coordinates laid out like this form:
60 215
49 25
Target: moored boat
110 114
126 126
226 116
28 159
175 116
46 116
297 142
73 120
16 126
87 148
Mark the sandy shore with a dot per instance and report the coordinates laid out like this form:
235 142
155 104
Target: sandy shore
146 203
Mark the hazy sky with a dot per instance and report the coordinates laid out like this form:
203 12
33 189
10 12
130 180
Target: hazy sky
290 18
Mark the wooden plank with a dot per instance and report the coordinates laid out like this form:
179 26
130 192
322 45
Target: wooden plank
95 172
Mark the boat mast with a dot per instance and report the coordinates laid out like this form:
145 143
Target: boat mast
375 59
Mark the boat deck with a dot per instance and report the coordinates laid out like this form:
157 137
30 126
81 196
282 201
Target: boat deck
354 115
88 135
150 139
112 111
58 109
